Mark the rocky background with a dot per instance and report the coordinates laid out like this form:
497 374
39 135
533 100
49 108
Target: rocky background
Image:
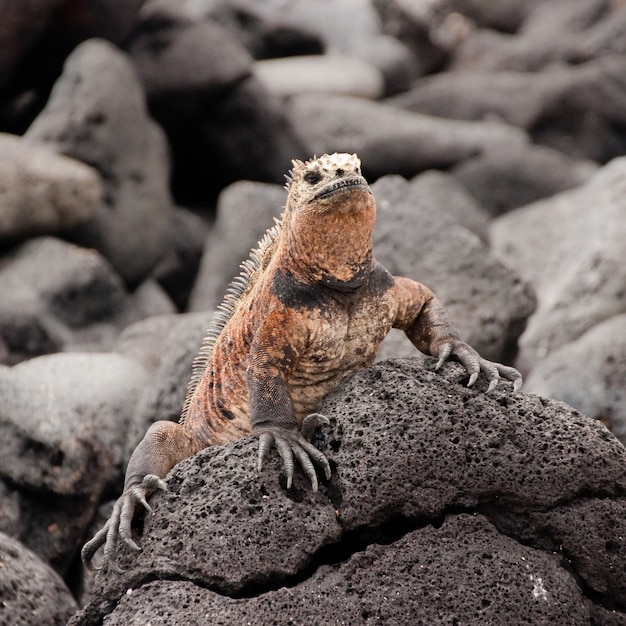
142 150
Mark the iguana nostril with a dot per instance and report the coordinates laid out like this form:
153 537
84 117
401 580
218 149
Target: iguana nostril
340 172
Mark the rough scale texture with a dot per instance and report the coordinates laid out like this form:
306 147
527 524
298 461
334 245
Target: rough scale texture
311 307
414 455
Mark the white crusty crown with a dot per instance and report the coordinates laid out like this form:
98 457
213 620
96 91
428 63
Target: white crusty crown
327 164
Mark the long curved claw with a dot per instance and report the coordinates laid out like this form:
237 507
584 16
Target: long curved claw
265 443
119 525
291 443
474 364
444 354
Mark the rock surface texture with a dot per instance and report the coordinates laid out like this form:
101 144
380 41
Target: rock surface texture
142 151
445 504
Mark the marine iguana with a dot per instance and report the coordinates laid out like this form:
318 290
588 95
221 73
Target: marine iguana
311 307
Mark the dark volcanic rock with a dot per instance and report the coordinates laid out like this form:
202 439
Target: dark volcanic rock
21 23
31 593
262 32
424 578
97 114
411 449
223 125
181 59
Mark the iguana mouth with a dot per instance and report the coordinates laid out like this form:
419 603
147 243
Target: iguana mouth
331 189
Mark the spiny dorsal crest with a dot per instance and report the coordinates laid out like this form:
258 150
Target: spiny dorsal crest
259 257
256 262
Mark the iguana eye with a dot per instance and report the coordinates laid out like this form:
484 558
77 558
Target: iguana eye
312 177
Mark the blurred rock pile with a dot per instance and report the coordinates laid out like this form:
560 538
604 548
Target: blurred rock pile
142 151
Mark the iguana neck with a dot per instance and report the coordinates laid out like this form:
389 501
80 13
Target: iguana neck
332 247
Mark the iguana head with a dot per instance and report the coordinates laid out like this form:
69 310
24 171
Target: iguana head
328 221
318 183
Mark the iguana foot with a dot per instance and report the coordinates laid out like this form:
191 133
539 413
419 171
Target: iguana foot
474 364
292 443
118 526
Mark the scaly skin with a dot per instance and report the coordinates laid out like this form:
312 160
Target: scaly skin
313 310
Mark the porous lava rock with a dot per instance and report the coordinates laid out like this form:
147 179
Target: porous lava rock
432 483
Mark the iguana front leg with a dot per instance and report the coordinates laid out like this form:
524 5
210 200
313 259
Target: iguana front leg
164 445
273 355
427 325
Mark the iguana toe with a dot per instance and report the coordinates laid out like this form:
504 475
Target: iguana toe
311 423
290 443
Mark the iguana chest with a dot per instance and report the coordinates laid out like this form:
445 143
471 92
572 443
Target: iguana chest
342 340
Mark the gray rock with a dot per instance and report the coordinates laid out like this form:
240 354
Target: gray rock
322 73
606 36
166 345
577 109
505 179
550 33
413 237
364 39
177 57
58 296
63 425
218 116
390 141
176 272
438 191
42 192
261 31
507 15
245 210
412 24
570 248
31 592
97 114
588 373
415 580
410 448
